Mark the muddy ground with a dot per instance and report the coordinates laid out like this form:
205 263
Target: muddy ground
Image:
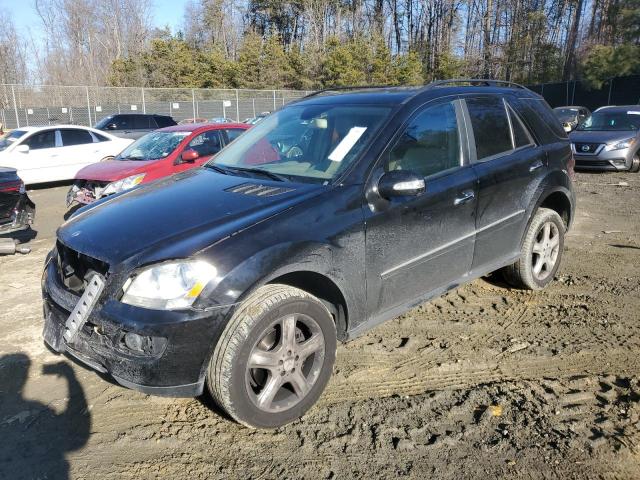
483 382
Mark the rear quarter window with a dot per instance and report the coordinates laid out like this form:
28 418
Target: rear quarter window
541 119
164 121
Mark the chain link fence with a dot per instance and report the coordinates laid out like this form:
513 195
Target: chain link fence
37 105
616 91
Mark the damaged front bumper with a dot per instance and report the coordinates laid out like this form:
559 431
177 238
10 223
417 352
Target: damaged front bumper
156 352
22 217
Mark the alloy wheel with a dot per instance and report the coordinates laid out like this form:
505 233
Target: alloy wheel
285 363
545 250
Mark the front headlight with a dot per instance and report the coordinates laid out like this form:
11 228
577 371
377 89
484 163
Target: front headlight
621 144
168 286
124 184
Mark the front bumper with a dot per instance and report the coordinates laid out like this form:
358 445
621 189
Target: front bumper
22 217
612 160
182 340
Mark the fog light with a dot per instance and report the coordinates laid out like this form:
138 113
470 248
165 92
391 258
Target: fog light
619 161
133 341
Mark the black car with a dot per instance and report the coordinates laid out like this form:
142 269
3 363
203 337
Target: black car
242 275
17 211
133 125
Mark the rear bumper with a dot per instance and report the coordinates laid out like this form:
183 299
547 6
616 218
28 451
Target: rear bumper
22 217
182 341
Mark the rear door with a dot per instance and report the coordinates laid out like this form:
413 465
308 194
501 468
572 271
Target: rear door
417 245
80 148
507 163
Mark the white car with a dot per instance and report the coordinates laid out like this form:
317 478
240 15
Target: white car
51 154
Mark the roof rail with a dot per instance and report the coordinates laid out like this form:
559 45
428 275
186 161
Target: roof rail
477 81
351 87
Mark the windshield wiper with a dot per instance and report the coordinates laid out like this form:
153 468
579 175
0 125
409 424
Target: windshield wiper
259 171
218 169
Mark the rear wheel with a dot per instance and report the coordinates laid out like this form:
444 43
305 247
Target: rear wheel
540 254
274 358
635 164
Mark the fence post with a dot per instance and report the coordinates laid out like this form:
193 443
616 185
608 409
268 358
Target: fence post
88 106
610 88
237 106
144 105
193 101
274 100
15 105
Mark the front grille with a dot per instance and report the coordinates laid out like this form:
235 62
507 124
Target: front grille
592 163
258 190
74 266
586 147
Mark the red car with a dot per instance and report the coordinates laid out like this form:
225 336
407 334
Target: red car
158 154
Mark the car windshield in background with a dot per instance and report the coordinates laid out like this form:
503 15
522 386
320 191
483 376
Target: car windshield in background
572 112
153 146
312 143
611 121
10 138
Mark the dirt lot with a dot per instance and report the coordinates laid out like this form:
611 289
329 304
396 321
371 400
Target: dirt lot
485 381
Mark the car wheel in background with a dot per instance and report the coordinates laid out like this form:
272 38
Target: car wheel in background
274 358
635 164
541 252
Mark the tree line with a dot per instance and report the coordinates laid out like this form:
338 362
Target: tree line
306 44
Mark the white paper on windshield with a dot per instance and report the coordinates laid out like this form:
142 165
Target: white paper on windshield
347 144
633 112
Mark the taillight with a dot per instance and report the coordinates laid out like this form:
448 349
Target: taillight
570 167
12 187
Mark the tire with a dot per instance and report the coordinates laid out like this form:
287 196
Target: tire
291 338
540 253
635 164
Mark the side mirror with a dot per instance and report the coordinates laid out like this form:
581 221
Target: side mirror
112 126
401 183
190 156
22 148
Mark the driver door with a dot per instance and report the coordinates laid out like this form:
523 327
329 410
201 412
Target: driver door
207 144
417 245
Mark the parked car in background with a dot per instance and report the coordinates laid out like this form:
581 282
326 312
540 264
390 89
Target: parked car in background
51 154
221 120
241 276
17 211
158 154
572 116
133 125
189 121
257 118
609 139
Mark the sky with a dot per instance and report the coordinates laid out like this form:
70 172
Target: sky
165 12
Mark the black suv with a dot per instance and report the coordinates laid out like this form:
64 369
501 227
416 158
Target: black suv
134 125
334 214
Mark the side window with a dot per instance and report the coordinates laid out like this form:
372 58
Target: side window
99 138
163 121
140 122
233 133
73 136
122 122
521 137
206 144
490 126
429 144
46 139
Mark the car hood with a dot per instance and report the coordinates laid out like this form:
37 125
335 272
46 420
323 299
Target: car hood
176 216
112 170
596 136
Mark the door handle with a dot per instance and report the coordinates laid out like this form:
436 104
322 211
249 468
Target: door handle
464 198
536 165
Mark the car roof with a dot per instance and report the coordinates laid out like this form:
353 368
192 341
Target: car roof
571 106
192 127
47 127
394 95
620 108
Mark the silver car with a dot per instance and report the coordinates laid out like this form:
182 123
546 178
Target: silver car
608 140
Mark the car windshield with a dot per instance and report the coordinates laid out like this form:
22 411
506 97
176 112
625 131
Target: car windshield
153 146
312 143
566 114
10 138
612 121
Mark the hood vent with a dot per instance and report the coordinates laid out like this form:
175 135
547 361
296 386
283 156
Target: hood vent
258 190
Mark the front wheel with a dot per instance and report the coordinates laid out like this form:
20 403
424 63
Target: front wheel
274 358
541 252
635 164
